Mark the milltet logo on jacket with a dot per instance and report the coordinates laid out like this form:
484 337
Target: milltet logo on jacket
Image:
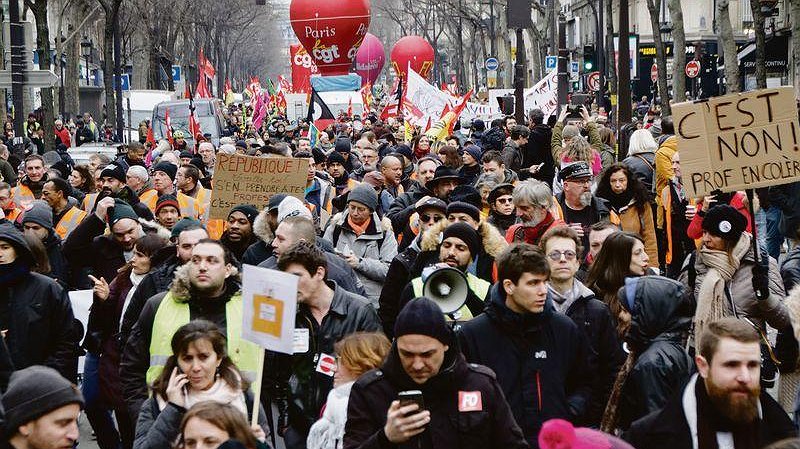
540 355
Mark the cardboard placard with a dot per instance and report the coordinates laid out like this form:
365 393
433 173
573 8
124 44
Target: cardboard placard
253 180
739 141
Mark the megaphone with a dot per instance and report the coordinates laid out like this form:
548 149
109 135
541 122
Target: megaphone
448 288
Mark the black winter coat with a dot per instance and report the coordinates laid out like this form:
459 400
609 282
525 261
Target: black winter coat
594 318
660 321
157 281
402 208
398 276
787 198
338 271
489 425
668 429
541 361
537 151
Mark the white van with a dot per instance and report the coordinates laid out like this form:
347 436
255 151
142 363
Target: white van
141 103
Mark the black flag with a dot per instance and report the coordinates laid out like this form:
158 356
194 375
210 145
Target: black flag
325 112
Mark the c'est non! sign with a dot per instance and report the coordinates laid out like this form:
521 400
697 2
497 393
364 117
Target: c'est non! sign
253 180
739 141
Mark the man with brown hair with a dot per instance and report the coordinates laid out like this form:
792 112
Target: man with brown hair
723 405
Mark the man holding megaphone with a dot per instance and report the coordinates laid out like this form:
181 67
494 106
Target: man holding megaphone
458 293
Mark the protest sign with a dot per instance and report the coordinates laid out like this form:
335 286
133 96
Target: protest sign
253 180
739 141
269 303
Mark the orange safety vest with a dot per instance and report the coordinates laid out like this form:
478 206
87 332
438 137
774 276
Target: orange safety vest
188 205
13 214
88 202
22 196
215 228
69 222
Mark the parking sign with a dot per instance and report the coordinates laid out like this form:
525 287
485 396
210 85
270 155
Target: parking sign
550 62
176 73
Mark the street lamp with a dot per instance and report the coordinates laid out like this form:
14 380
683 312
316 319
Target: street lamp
86 53
665 30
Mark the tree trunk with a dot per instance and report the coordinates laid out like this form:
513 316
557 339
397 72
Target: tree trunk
678 53
611 61
72 75
761 44
654 8
728 47
39 9
795 5
108 70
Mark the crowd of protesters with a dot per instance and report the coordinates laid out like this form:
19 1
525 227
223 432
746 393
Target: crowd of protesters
601 303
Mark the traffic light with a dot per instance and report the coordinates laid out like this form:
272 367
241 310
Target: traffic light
589 58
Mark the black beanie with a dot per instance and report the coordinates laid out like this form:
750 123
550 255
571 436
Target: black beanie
249 211
467 234
724 221
342 145
335 156
35 391
422 316
167 167
464 208
121 210
113 171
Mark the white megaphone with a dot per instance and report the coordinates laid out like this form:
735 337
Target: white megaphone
448 288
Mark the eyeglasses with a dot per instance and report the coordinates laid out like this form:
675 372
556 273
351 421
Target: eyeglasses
427 218
555 256
505 200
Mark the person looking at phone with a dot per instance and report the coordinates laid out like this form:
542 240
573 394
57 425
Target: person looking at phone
199 369
462 403
512 151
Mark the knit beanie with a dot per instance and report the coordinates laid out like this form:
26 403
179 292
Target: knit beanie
167 167
39 212
405 150
167 200
35 391
364 194
343 145
474 151
467 194
335 156
724 221
292 207
464 208
249 211
183 224
121 210
319 156
422 316
466 234
113 171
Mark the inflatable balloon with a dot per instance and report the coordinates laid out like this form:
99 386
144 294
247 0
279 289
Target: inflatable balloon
331 31
370 59
414 50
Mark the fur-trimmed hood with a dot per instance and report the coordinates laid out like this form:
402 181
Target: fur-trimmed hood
151 227
181 287
492 241
261 227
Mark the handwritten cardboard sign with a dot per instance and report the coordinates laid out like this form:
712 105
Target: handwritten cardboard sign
739 141
253 180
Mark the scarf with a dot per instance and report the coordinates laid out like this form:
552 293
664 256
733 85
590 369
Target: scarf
711 296
710 422
620 201
356 228
13 272
328 432
219 392
136 279
532 234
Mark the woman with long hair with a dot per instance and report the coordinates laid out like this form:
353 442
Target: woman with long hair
621 256
209 424
108 308
450 157
421 146
82 179
608 154
199 369
356 354
628 197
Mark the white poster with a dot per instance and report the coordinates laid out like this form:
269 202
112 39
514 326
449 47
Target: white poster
269 304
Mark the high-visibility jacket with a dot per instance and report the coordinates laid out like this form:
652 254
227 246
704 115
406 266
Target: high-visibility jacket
189 207
172 314
13 214
22 196
88 202
69 222
476 284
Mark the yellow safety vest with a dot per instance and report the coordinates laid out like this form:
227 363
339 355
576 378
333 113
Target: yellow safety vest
22 196
172 314
188 205
69 222
478 286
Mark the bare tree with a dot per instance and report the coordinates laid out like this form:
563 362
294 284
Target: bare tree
795 5
761 44
728 46
654 8
39 9
678 53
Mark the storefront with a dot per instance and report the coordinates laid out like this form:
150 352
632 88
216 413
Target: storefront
776 61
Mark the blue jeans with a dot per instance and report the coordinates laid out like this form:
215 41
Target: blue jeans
774 235
99 414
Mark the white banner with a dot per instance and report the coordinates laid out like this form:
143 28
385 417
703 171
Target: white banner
269 305
543 95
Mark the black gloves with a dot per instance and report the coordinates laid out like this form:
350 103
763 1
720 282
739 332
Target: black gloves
761 279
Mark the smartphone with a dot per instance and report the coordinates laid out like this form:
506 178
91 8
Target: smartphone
409 397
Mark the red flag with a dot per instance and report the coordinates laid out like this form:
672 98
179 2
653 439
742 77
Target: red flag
350 107
186 93
205 65
428 125
194 127
202 88
228 86
168 124
151 140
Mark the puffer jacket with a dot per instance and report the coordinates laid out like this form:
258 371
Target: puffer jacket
663 164
740 290
291 381
375 249
643 167
541 360
661 316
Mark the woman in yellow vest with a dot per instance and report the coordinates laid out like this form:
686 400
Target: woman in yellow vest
198 370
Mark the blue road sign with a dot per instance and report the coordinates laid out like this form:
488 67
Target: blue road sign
492 64
574 67
550 62
176 73
125 82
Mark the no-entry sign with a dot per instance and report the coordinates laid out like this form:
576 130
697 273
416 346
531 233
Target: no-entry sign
654 73
692 69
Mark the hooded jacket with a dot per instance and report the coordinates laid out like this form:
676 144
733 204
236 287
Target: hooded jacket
537 151
261 250
541 361
488 424
375 249
41 326
660 320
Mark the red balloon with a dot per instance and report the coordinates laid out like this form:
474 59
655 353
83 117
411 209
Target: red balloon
331 31
414 50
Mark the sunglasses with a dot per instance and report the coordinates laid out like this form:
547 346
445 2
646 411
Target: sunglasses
505 200
555 256
427 218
